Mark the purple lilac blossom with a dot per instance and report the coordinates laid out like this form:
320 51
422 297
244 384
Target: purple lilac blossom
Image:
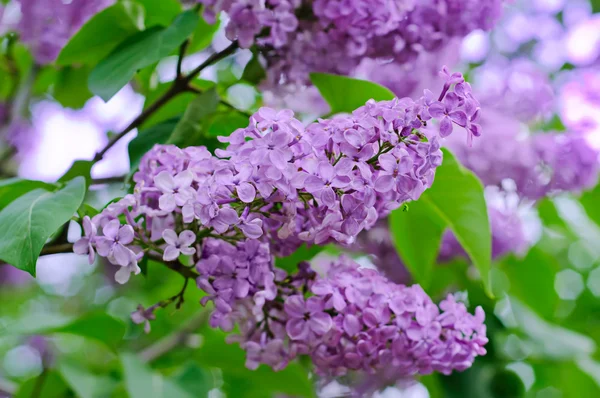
356 319
47 25
282 182
297 37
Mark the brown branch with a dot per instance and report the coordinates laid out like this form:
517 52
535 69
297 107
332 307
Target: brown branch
108 180
179 86
56 249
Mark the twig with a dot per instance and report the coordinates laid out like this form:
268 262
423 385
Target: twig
168 343
39 384
108 180
56 249
179 86
182 50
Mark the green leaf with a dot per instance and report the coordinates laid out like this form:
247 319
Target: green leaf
195 380
79 168
160 12
71 88
345 94
224 124
189 129
13 188
456 197
303 253
101 34
29 222
53 386
137 52
145 140
241 382
98 326
203 36
83 382
254 72
532 281
142 382
417 235
590 201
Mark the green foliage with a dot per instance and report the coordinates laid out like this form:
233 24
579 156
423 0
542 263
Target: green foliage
33 218
12 188
254 72
189 129
79 168
52 386
146 139
202 36
142 382
85 383
303 253
454 201
102 33
138 51
70 89
240 382
590 201
160 12
345 94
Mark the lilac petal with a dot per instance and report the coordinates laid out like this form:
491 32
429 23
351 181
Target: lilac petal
81 246
388 162
170 237
354 138
314 304
246 192
320 323
188 251
224 177
122 275
164 181
167 202
297 329
313 183
252 230
351 325
267 113
229 216
91 255
321 288
437 110
171 253
104 246
295 306
384 183
111 230
184 179
122 255
278 159
89 228
328 197
445 127
126 234
241 288
186 238
459 117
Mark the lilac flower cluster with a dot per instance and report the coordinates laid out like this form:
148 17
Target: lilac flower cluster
298 37
47 25
508 236
356 319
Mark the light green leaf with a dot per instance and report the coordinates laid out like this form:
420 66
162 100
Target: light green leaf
146 139
142 382
203 36
254 72
12 188
224 124
345 94
417 235
138 51
241 382
101 34
189 129
53 386
303 253
195 380
160 12
590 201
457 197
81 168
83 382
71 88
29 222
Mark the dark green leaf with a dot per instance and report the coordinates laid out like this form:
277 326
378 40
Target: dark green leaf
290 263
79 168
172 109
224 124
417 235
98 326
142 382
254 72
29 222
202 36
138 51
146 139
52 386
240 382
71 88
345 94
101 34
189 129
195 380
160 12
83 382
12 188
590 201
